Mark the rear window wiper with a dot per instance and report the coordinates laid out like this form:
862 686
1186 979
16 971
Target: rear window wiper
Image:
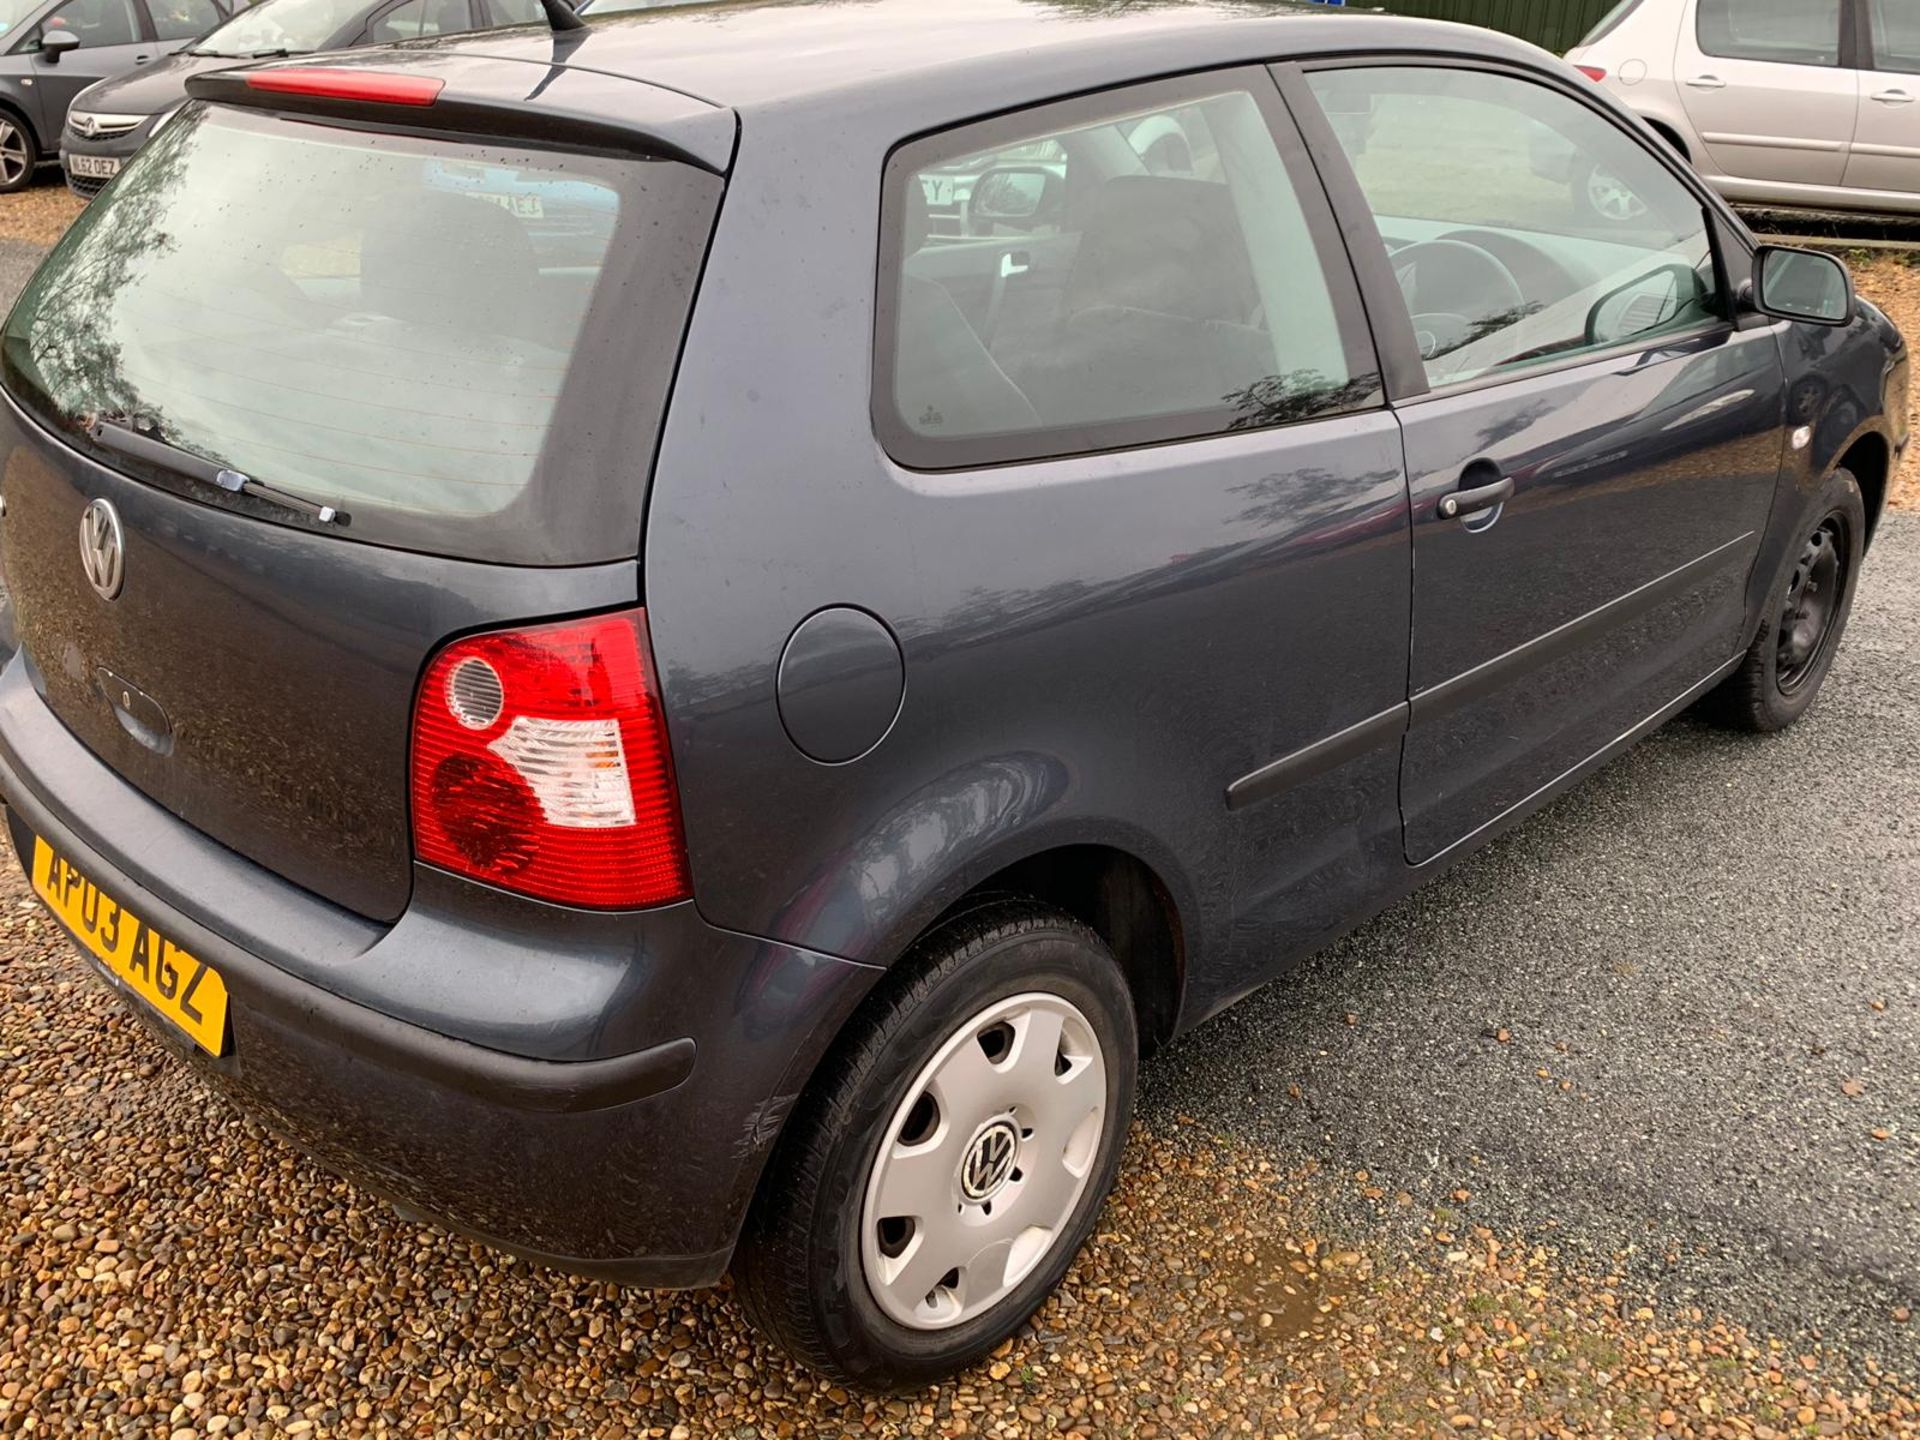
139 442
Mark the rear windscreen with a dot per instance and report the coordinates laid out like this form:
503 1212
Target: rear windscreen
464 346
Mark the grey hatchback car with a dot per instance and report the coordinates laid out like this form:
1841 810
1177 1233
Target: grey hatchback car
585 659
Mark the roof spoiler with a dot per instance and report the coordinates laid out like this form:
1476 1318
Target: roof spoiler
487 97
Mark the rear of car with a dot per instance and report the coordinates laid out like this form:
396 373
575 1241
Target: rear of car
332 731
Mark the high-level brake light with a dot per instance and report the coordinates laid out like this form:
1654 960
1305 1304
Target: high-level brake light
370 86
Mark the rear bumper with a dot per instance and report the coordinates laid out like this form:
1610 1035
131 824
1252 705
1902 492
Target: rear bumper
635 1165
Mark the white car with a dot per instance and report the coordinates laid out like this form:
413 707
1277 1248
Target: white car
1776 102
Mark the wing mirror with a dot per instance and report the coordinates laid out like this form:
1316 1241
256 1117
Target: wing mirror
55 43
1802 285
1015 197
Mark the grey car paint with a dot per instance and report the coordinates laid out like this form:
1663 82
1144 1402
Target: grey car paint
1203 699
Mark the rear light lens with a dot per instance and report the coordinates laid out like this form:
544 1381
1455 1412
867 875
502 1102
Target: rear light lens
370 86
540 765
1592 72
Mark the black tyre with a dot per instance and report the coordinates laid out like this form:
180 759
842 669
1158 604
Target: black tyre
934 1185
19 154
1806 614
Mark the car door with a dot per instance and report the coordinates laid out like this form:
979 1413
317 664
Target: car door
1769 86
1145 553
1592 445
113 40
1886 142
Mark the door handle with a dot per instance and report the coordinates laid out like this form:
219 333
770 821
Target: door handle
1894 97
142 59
1472 501
1707 82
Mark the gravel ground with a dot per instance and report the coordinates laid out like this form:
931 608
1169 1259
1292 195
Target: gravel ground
1545 1150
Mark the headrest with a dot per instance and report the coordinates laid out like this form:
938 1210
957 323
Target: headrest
1167 244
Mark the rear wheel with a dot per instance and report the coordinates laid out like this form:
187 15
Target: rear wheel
18 154
934 1188
1806 615
1607 198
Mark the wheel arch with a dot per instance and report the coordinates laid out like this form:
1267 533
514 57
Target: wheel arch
1671 135
1123 900
1869 459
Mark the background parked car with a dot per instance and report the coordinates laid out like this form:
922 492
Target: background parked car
1775 102
54 49
114 119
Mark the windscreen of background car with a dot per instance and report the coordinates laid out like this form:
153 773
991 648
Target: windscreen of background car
407 329
280 27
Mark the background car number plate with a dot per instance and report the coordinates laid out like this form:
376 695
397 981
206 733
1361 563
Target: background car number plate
94 167
186 991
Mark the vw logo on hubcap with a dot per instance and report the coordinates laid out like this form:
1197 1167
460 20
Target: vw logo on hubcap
102 548
988 1163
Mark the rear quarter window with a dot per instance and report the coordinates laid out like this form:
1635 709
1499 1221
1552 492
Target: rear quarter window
1123 269
466 347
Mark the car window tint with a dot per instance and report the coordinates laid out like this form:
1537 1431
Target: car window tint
1896 36
514 12
1523 227
1143 275
421 17
183 19
1789 32
96 22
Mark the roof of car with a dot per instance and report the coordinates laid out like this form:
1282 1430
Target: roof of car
751 54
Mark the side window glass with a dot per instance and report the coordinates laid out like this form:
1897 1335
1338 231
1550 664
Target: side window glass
1111 278
183 19
1896 36
1786 32
1523 227
96 22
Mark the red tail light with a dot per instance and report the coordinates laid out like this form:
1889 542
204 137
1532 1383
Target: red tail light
1592 72
540 765
374 86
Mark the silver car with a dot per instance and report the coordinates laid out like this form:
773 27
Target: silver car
1776 102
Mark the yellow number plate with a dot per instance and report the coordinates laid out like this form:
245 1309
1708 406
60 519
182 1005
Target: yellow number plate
184 990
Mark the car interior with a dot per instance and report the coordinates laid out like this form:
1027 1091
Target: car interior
1107 272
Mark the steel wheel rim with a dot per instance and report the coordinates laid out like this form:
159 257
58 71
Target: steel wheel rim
1813 600
983 1162
1612 199
13 152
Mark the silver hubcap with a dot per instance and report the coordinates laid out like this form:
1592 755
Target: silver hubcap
13 152
983 1162
1611 198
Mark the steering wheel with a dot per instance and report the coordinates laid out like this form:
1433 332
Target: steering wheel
1453 288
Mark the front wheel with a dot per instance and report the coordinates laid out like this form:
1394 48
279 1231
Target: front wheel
934 1187
18 154
1806 614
